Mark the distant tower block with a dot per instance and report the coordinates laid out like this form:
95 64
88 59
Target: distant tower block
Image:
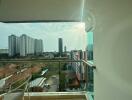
60 46
13 45
65 49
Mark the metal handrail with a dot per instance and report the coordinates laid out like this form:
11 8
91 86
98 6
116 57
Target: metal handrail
89 64
40 60
50 60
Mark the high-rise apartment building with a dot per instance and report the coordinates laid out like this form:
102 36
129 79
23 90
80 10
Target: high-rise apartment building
78 67
65 49
60 46
38 46
27 45
13 45
24 45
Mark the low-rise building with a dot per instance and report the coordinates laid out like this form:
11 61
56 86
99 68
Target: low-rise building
3 51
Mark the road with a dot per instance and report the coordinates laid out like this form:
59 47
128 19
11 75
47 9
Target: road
53 81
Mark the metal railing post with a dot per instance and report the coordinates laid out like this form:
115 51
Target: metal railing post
59 76
87 77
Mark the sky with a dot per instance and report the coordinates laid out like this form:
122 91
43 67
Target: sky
73 34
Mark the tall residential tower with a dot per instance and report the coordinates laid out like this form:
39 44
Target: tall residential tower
60 46
24 45
13 45
38 46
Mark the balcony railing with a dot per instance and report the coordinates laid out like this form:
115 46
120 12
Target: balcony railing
81 68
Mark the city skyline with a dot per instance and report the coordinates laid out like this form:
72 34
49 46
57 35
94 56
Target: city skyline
49 33
24 45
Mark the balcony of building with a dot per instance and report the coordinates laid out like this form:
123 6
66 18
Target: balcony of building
111 22
79 88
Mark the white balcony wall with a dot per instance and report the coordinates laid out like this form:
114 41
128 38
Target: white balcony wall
112 48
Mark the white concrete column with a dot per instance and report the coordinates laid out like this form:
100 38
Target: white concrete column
112 48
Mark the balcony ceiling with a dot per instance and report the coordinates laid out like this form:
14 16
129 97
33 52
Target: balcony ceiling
40 10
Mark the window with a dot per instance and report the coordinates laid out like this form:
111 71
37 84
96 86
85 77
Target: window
51 53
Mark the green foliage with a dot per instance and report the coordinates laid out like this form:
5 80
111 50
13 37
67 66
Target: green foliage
62 81
36 75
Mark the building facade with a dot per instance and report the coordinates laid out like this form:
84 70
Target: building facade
13 45
65 49
24 45
78 67
60 46
38 46
4 51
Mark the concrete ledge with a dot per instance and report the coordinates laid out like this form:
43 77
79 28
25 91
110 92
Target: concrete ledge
54 96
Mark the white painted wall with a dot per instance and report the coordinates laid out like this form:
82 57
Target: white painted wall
112 48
